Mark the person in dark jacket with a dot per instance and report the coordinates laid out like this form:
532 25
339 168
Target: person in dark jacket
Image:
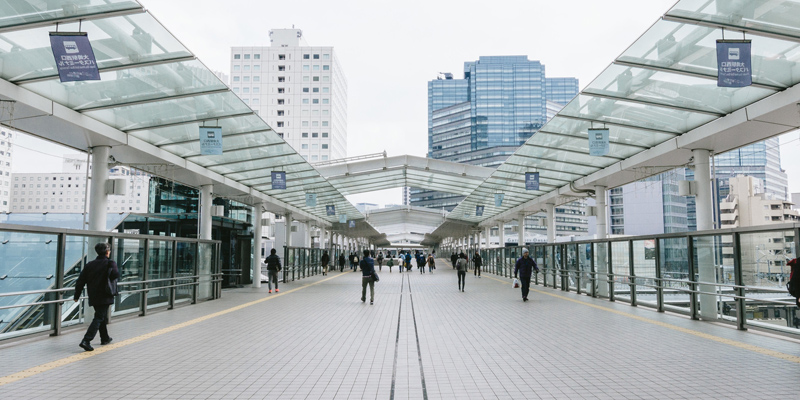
351 259
273 266
325 260
408 260
453 259
367 269
476 262
341 262
96 276
461 266
524 267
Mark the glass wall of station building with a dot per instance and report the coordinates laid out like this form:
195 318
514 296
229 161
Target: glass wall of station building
761 160
173 211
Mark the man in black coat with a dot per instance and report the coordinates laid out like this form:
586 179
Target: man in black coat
524 268
273 266
325 260
96 276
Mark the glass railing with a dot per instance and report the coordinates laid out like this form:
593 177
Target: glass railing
39 268
302 262
733 275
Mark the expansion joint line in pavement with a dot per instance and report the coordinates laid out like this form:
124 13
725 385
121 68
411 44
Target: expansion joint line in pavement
419 350
84 355
734 343
397 340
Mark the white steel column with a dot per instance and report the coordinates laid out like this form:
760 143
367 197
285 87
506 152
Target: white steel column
501 233
601 258
551 223
488 232
704 245
478 244
521 233
205 211
257 244
98 198
288 241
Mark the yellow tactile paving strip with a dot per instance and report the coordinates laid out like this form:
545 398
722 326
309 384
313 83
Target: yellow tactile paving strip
104 349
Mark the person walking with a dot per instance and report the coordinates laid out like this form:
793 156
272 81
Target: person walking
273 266
408 261
341 262
431 263
367 272
461 267
453 259
350 259
96 276
325 260
420 262
390 263
380 261
476 263
400 261
524 267
355 262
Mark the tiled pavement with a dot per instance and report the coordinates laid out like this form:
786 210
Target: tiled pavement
421 339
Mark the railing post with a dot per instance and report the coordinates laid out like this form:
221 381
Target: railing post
593 275
693 306
632 273
610 277
59 284
578 268
564 268
196 274
173 282
145 266
659 283
285 262
218 268
741 312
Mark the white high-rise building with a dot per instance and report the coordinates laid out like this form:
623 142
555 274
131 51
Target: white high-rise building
6 137
299 90
66 192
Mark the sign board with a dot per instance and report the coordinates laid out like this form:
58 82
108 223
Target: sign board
531 181
733 63
352 224
479 211
498 199
343 219
278 180
74 56
210 140
311 199
598 142
330 210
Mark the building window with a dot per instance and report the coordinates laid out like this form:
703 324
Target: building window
237 68
246 78
326 90
314 134
280 124
257 56
314 158
257 68
324 123
245 90
306 68
314 123
281 56
316 68
305 79
316 79
326 67
247 56
325 101
256 89
236 78
280 113
305 90
305 134
280 101
326 56
324 134
326 78
316 90
281 79
306 56
324 146
305 101
237 56
315 101
305 123
304 147
247 68
314 146
280 90
281 68
236 90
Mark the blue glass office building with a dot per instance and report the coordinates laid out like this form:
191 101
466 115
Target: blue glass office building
482 119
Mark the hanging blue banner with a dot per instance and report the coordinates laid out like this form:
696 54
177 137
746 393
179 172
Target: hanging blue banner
210 140
733 63
311 199
278 180
343 219
330 210
598 142
531 181
498 199
74 56
479 211
352 224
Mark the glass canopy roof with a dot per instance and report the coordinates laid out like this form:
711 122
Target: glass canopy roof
662 86
153 88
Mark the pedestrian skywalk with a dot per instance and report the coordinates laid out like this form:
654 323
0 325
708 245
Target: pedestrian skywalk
422 339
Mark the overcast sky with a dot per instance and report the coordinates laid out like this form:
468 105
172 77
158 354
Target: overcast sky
389 50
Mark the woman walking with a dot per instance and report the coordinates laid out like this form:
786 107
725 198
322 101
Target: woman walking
325 260
341 262
461 266
431 263
380 261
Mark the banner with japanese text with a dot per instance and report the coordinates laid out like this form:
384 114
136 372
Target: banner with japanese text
734 67
74 57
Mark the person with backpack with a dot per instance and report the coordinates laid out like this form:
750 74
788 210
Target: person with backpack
461 267
367 278
390 263
355 262
420 262
98 276
325 260
273 266
431 263
350 259
341 262
476 262
524 267
408 260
